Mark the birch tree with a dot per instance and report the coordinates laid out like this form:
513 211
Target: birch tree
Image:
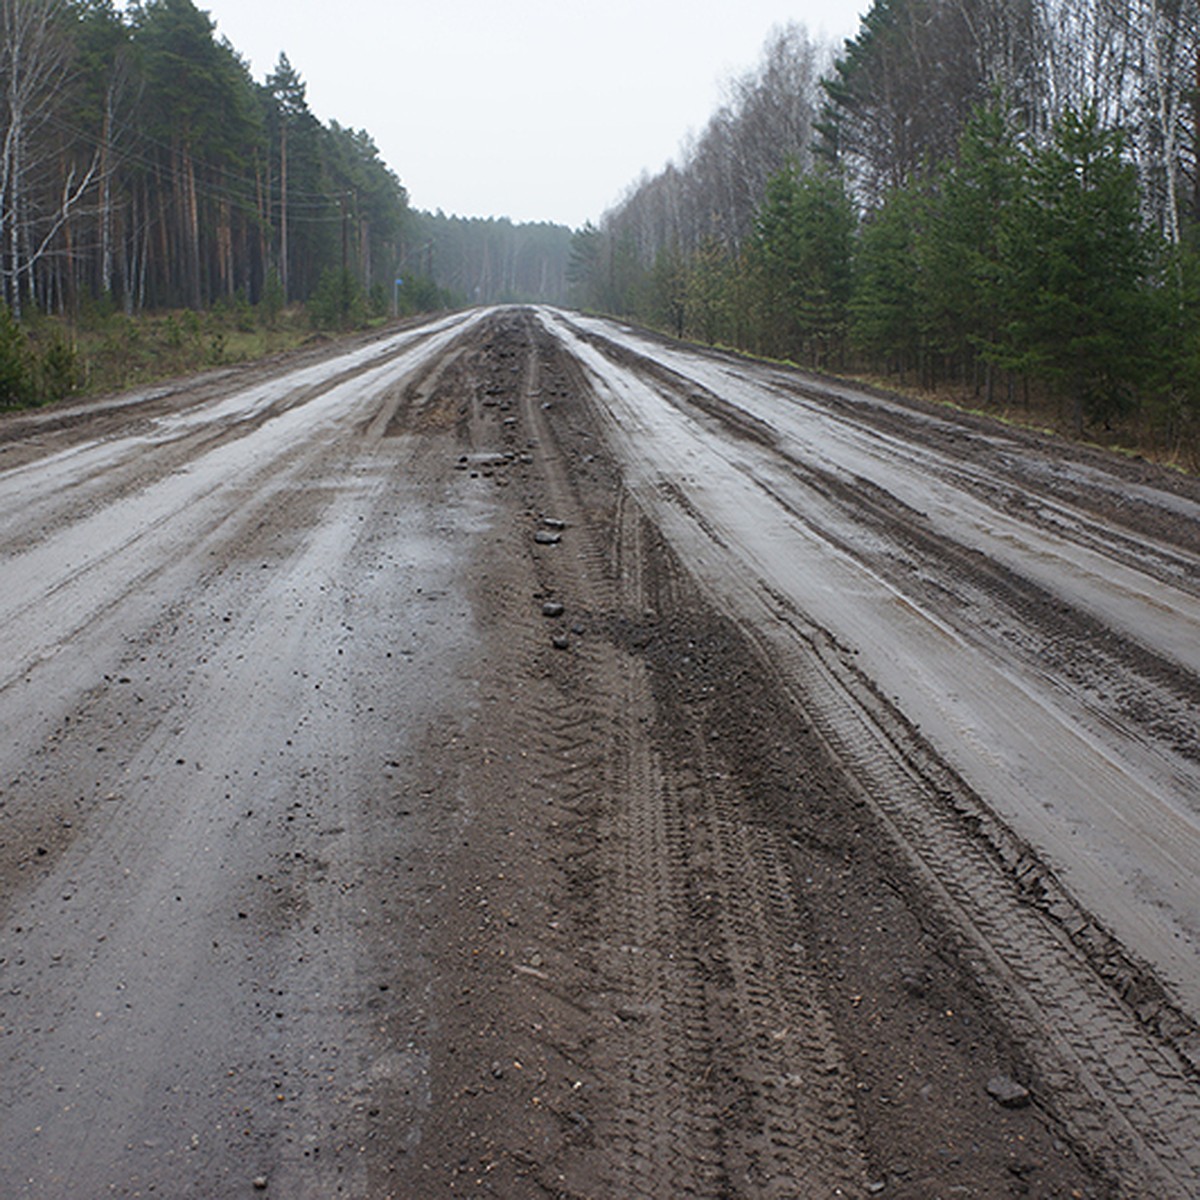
36 201
1172 87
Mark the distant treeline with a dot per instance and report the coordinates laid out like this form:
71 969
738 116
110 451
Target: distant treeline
490 260
997 194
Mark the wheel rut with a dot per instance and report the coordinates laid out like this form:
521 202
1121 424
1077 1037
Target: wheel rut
670 953
554 873
1090 1030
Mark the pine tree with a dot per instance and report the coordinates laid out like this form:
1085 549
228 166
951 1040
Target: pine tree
199 108
14 361
707 292
886 322
967 247
825 226
801 255
287 90
668 290
1080 256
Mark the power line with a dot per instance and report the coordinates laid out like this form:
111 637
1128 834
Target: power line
247 192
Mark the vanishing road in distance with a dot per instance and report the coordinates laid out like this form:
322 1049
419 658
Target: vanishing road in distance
519 755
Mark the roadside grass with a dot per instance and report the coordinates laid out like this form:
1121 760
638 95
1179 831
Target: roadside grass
1037 411
105 351
1135 436
116 351
1139 436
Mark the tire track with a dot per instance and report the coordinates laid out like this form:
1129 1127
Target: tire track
1121 1091
722 1020
1117 681
725 1079
1098 1040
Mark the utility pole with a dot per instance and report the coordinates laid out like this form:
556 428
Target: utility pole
345 233
283 197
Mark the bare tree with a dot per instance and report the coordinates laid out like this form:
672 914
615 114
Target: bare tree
1135 63
37 199
709 197
902 90
1167 138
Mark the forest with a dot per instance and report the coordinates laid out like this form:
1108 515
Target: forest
143 170
491 260
993 199
996 199
143 165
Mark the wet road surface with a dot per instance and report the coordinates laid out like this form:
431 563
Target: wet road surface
517 755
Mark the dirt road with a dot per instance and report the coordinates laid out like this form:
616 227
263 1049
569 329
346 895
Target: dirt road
519 757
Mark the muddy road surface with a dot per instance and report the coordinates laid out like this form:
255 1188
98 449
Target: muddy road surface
518 756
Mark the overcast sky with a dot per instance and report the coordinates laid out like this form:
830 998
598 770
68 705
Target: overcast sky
532 109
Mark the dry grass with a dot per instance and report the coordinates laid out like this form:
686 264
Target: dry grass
1136 436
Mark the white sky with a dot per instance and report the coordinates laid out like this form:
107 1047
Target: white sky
532 109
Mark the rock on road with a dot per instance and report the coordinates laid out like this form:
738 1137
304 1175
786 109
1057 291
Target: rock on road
517 755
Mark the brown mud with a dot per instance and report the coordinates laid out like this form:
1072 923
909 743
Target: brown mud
525 872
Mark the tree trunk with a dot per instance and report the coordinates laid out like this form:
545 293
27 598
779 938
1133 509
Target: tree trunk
1196 140
196 287
106 217
283 210
14 213
167 237
264 225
